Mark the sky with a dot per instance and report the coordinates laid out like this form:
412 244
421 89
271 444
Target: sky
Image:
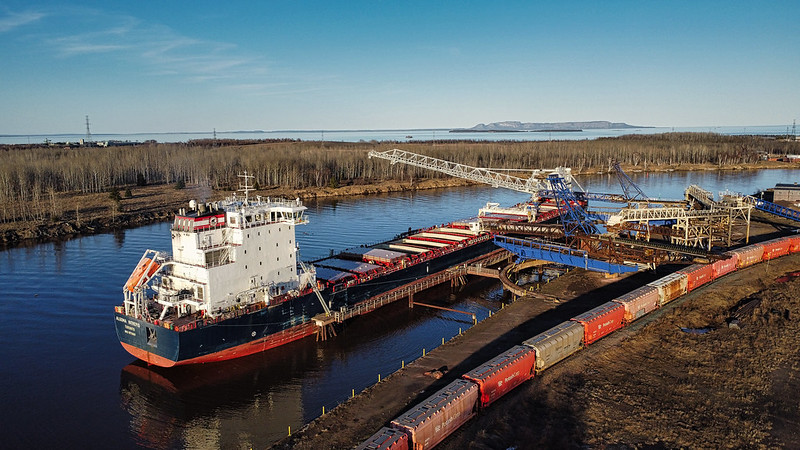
166 66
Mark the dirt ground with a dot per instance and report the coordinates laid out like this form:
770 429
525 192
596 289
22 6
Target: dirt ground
650 385
653 385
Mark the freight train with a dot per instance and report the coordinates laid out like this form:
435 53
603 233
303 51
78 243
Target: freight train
435 418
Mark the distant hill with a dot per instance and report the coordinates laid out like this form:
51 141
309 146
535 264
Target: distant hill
513 125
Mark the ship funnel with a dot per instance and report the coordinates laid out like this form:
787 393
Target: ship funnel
192 205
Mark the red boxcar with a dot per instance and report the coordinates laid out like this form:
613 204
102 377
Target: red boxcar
775 248
601 321
697 275
794 243
502 373
638 302
748 255
386 439
725 266
436 417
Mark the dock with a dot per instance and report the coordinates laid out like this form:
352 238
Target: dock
479 266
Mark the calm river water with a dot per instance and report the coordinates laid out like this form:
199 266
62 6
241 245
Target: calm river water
67 381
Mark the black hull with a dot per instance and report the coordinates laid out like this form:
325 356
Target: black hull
269 327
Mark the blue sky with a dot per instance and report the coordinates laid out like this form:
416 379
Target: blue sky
280 65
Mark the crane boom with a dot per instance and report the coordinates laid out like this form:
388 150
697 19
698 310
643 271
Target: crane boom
533 185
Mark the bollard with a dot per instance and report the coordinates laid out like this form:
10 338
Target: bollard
442 341
423 352
354 393
290 430
379 378
323 410
459 331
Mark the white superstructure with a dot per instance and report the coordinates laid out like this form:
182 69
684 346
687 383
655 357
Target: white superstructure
225 254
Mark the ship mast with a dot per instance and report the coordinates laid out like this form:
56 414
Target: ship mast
246 187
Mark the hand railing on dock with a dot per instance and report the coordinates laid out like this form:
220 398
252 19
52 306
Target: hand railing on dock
475 266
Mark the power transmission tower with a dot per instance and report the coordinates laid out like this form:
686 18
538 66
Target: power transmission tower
88 133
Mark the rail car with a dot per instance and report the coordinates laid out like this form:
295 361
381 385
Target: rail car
435 418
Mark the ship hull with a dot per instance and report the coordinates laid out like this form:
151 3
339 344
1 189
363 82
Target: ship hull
270 327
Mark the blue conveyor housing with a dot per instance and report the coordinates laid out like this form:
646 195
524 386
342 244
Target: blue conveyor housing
547 251
773 208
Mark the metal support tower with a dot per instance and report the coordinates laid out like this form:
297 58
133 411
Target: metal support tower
88 133
629 188
573 216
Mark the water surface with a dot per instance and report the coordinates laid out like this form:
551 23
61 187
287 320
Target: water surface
67 380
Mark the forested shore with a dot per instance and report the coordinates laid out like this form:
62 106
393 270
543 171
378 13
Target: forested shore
39 185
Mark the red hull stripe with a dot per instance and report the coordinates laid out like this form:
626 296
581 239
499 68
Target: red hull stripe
272 341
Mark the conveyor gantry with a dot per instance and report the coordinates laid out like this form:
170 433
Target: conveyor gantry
493 177
773 208
561 254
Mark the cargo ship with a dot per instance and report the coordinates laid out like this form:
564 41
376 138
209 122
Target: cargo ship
234 285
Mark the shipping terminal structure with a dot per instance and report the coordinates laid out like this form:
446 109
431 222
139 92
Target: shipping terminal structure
234 285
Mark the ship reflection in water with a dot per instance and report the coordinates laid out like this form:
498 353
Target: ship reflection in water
248 402
251 402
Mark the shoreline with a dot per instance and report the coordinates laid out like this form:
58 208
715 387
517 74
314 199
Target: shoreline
87 214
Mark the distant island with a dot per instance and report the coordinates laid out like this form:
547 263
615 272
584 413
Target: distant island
513 125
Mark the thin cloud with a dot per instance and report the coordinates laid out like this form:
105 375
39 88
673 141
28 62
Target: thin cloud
159 51
273 89
15 20
78 48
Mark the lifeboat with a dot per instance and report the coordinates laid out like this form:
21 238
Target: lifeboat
140 271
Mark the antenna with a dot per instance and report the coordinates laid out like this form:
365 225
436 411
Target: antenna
88 133
246 187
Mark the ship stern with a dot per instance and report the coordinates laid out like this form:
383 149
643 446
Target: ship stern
151 343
